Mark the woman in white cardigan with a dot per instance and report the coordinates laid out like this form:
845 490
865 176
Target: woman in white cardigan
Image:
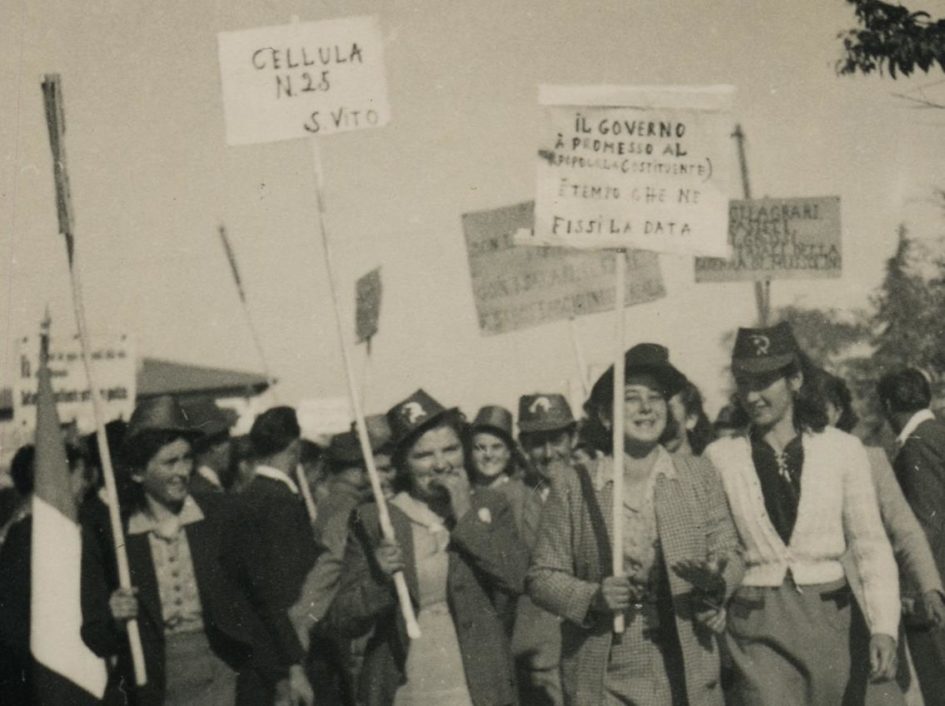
801 495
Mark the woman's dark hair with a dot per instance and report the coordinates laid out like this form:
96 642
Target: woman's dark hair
835 391
810 409
516 463
137 452
702 434
453 419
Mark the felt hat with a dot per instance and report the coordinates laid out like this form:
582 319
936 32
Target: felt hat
207 417
410 417
649 358
544 412
161 413
495 420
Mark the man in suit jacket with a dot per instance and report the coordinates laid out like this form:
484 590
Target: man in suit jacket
920 467
275 503
547 431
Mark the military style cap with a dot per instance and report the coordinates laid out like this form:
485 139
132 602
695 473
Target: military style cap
764 350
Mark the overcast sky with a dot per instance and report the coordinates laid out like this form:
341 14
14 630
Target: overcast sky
152 178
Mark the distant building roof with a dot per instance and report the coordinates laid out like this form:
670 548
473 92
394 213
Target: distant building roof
163 377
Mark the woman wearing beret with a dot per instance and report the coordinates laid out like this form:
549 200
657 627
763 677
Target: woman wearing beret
198 595
463 564
801 496
681 557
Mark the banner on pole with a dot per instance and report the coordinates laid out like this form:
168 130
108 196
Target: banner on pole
368 305
635 167
518 287
797 238
113 366
303 79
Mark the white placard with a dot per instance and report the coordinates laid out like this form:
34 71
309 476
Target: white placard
635 167
303 79
113 367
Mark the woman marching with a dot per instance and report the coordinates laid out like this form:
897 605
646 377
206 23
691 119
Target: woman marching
464 566
801 495
200 596
680 548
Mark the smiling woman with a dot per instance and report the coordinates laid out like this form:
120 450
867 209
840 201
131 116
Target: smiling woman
680 557
198 595
463 563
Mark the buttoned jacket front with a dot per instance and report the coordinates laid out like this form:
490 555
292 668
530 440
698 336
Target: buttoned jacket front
572 556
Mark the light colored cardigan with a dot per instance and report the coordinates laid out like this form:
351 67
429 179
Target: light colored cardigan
837 510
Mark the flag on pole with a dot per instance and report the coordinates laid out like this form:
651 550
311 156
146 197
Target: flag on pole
65 670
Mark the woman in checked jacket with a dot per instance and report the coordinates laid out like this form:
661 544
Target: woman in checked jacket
681 558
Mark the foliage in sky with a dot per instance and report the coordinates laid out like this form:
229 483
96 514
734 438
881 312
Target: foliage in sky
892 38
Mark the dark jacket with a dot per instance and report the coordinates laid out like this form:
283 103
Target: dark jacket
487 564
243 624
16 677
920 469
285 532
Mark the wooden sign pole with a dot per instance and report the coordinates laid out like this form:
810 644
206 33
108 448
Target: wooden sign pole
52 93
406 607
619 338
762 288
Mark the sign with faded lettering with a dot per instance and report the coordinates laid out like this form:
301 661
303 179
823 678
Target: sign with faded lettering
113 367
796 238
303 79
518 286
368 304
635 167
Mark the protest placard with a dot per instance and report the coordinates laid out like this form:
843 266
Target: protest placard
368 304
303 79
517 287
797 238
114 370
635 167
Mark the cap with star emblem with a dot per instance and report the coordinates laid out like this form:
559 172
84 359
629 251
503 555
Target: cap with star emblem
764 350
544 412
409 417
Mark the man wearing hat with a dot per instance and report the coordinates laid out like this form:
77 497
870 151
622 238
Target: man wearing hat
330 657
547 433
212 449
277 507
801 495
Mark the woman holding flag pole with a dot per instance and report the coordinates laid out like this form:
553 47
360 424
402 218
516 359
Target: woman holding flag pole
204 607
680 554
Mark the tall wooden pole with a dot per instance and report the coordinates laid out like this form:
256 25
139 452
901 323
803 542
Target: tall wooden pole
52 94
762 288
619 342
387 529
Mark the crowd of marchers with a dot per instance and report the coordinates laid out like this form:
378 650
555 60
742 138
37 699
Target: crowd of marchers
769 558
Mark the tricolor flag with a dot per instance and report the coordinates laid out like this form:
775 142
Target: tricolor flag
66 672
